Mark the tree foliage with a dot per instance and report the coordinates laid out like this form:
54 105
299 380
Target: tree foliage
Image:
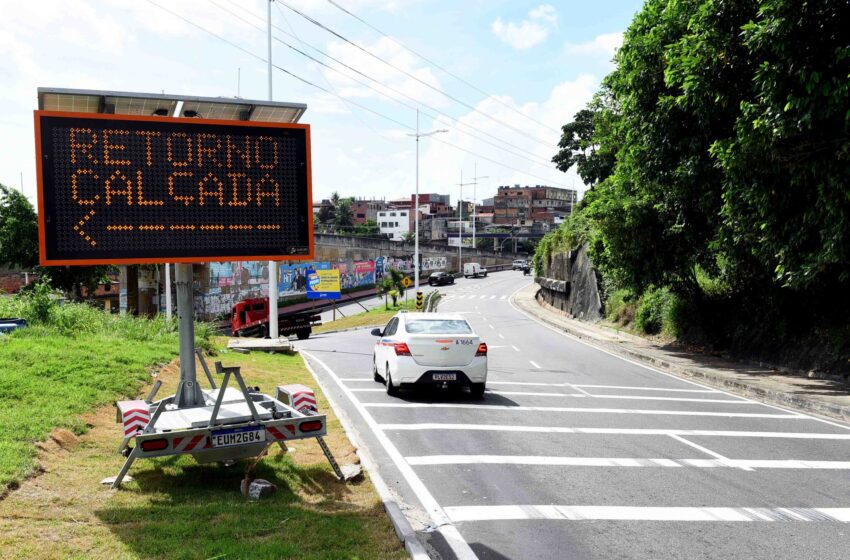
18 230
719 149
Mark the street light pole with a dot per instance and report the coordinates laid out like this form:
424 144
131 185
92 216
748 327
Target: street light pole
416 215
418 135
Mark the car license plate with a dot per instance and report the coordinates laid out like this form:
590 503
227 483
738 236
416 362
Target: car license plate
237 436
444 377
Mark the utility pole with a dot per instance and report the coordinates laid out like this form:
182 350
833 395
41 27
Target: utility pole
273 287
474 200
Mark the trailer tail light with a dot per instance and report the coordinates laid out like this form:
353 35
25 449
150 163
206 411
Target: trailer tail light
401 349
313 426
154 444
482 350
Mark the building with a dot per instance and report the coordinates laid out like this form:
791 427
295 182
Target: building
523 206
394 222
363 210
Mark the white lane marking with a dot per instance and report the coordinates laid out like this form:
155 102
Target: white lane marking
438 515
717 456
347 379
658 371
578 409
514 347
630 513
674 399
746 464
612 431
502 297
369 390
632 388
492 297
532 394
501 336
534 364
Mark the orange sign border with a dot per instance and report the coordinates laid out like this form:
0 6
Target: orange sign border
42 257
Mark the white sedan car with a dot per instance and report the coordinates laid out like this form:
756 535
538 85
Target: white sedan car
436 349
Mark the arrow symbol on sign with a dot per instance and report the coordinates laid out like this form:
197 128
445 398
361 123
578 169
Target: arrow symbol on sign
79 228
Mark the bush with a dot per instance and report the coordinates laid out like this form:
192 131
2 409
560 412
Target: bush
659 310
620 307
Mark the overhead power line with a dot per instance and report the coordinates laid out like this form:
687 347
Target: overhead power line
361 106
531 157
412 76
441 68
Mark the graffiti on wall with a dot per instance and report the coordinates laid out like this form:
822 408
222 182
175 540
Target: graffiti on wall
433 263
231 282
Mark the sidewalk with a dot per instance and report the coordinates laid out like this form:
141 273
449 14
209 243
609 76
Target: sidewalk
819 396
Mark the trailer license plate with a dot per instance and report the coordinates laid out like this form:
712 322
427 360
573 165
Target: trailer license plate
444 377
238 436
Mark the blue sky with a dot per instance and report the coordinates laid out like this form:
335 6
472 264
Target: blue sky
536 61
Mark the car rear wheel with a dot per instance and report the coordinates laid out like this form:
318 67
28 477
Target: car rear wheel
392 390
375 375
477 390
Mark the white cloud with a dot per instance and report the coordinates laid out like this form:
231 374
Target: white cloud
387 50
602 45
529 32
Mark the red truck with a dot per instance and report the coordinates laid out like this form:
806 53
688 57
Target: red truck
250 317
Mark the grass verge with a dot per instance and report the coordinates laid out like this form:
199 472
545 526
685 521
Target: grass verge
176 508
378 317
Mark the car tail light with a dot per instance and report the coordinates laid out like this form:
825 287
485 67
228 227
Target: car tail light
482 350
401 349
313 426
154 444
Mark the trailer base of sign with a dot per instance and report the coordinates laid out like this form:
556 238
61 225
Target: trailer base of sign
227 426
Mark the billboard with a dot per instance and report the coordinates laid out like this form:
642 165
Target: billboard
133 189
323 284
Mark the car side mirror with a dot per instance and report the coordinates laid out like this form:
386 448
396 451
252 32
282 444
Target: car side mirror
377 332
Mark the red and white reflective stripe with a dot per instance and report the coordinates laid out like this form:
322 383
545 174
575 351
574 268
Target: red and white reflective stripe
279 435
135 420
302 397
188 444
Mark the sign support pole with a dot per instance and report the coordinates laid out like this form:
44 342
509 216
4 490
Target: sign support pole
188 391
168 291
274 332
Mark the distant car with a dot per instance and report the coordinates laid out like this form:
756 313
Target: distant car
473 270
519 264
429 349
440 278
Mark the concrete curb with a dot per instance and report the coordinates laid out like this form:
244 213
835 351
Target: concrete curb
835 411
403 529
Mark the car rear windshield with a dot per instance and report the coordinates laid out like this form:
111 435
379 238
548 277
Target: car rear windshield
438 326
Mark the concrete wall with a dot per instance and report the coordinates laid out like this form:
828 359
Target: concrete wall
571 286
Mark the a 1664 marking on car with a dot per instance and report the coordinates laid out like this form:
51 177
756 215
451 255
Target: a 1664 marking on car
237 436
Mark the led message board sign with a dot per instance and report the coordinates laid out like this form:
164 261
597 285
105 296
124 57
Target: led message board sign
127 189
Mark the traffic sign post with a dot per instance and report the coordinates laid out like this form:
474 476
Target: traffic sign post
420 301
406 282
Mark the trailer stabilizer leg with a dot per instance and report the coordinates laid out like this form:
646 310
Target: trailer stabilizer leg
123 472
326 450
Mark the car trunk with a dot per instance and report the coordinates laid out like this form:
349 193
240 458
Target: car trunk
443 350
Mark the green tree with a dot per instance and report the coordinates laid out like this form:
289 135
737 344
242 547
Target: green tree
343 218
18 230
578 147
369 228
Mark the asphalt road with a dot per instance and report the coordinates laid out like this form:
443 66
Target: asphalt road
576 453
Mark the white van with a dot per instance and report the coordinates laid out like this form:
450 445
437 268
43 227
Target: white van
473 270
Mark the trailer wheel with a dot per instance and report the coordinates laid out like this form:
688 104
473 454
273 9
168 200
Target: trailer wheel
264 331
303 334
